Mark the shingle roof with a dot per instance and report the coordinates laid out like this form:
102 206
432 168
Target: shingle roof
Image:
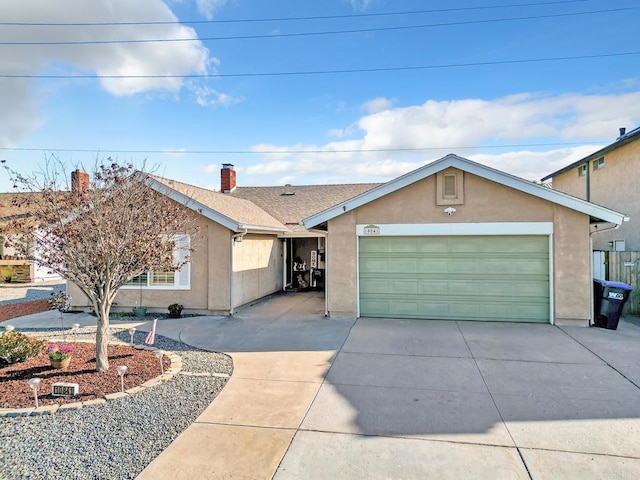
240 211
292 203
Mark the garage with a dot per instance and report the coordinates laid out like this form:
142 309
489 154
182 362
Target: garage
495 278
457 240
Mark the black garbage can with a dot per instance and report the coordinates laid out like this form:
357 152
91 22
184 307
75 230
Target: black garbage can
609 299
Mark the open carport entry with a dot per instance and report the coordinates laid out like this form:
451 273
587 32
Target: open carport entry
304 263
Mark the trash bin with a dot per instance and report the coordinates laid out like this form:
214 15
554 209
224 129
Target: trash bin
609 299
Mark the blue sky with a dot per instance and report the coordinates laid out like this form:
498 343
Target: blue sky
526 118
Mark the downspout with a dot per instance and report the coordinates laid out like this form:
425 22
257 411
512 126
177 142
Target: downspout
588 186
236 237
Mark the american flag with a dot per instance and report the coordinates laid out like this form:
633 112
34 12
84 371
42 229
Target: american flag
151 336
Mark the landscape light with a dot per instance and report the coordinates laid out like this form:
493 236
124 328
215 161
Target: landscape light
159 354
74 329
132 332
122 369
34 383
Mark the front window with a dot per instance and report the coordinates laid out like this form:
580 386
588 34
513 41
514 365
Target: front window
178 279
582 170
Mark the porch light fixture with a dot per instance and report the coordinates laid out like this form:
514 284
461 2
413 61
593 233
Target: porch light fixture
122 369
450 211
34 383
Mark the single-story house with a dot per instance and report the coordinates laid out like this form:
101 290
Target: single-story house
451 240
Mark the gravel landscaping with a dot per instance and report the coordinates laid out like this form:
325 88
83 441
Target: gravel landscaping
119 439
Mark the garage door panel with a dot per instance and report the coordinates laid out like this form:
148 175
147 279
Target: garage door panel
470 278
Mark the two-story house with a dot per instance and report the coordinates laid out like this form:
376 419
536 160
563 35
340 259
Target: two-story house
609 177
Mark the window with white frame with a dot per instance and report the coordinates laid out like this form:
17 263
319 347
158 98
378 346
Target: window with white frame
598 164
175 279
582 170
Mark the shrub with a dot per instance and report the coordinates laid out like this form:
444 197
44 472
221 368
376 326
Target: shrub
175 310
7 272
17 347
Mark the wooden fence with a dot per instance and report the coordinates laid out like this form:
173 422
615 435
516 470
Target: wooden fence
625 267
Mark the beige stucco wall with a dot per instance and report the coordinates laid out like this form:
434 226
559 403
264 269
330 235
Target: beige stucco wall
257 271
485 201
614 186
257 268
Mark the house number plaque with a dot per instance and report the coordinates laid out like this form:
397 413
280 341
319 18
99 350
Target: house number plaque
371 230
65 389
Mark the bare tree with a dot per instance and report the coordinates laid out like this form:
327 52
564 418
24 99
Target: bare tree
101 233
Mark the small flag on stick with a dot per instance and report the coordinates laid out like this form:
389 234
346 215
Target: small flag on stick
151 336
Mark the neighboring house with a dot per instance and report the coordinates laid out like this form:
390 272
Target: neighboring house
12 266
608 177
450 240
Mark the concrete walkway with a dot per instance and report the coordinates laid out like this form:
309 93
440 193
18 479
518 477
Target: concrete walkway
318 398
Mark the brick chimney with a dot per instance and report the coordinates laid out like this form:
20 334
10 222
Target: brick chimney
227 178
79 182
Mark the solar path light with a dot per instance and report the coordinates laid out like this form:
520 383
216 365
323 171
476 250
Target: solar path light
122 369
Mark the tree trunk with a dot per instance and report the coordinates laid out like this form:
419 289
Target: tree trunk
102 338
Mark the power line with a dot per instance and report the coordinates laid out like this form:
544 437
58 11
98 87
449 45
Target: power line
297 152
284 19
308 34
326 72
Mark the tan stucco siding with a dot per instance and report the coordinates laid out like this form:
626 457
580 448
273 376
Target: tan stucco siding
217 276
485 201
257 268
572 267
615 187
341 266
211 256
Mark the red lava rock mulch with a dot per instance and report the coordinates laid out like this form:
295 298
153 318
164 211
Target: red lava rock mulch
23 308
15 392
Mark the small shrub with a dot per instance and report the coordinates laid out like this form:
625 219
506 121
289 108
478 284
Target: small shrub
175 310
7 272
17 347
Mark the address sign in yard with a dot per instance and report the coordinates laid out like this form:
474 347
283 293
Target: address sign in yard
65 389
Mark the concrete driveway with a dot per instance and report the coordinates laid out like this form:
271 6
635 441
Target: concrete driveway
318 398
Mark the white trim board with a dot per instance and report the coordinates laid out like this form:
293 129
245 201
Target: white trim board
441 229
451 160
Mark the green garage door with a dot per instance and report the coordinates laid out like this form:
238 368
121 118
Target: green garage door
490 278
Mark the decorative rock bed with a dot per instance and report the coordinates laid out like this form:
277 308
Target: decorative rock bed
117 438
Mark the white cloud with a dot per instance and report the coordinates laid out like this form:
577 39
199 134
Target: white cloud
360 5
168 58
210 97
377 104
460 126
208 8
